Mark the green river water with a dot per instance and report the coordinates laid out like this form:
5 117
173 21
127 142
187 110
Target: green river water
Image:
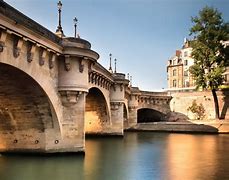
136 156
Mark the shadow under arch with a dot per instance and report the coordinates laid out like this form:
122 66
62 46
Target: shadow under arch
125 115
26 113
96 112
147 115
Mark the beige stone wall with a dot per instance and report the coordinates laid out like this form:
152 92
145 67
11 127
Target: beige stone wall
181 101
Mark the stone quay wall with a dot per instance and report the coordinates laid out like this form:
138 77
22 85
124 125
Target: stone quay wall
181 101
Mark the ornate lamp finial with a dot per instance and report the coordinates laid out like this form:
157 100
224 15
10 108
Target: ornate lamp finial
59 28
110 68
75 20
115 60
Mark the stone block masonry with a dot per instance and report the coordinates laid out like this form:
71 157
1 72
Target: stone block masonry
181 101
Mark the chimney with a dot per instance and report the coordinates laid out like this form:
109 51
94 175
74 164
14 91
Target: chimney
178 52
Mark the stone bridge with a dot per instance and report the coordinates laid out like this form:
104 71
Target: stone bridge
53 91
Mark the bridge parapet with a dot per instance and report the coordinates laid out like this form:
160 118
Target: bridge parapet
154 97
100 80
77 42
19 19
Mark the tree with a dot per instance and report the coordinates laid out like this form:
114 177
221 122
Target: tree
209 54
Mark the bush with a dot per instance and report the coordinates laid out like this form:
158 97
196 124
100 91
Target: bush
198 110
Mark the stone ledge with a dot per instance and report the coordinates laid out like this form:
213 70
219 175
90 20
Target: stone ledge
187 127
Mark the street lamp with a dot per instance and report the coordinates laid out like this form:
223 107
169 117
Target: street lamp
115 60
75 20
59 28
110 68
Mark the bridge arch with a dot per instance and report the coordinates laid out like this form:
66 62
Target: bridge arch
46 78
26 112
146 115
97 115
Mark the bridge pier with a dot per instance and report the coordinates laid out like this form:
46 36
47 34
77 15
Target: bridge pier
132 106
73 121
73 88
117 100
116 118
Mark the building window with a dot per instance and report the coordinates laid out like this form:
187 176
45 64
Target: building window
186 62
187 84
185 73
179 61
185 53
174 72
174 83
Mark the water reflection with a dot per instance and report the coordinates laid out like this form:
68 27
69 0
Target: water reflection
136 156
191 157
37 168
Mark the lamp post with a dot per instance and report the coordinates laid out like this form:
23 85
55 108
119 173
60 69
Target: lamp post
110 68
115 60
59 28
75 20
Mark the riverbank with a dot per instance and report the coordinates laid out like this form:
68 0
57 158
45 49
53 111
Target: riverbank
213 126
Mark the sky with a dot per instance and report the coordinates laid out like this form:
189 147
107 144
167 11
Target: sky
141 34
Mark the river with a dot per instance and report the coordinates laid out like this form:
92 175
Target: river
136 156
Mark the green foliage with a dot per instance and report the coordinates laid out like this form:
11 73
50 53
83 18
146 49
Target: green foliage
210 55
196 109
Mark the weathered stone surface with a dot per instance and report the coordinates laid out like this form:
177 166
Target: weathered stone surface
191 126
183 100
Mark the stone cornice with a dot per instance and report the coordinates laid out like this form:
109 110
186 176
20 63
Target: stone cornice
78 42
102 70
119 78
28 35
81 52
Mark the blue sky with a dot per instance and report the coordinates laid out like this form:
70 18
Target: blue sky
141 34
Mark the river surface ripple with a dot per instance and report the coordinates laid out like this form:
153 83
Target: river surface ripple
136 156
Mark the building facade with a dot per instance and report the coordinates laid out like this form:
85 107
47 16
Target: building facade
178 75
